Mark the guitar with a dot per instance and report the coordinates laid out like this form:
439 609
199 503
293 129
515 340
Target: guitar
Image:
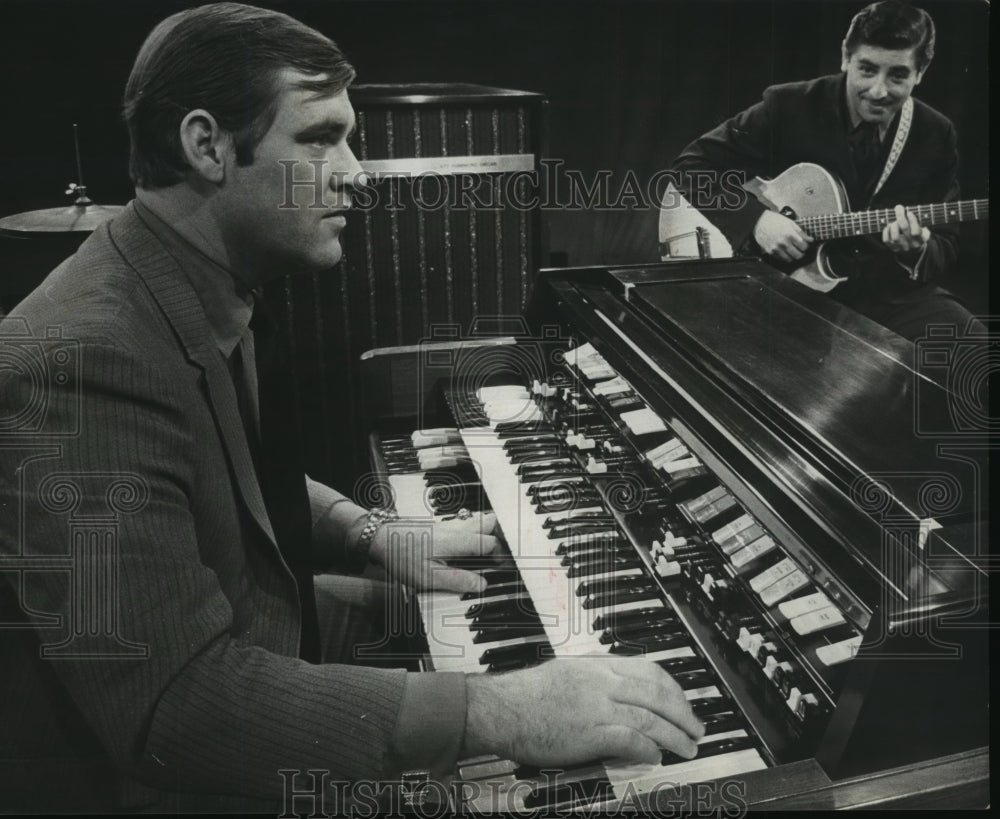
816 200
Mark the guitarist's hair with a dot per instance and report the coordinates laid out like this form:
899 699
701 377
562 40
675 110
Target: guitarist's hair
894 25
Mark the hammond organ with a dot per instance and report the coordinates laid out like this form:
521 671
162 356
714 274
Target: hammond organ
708 465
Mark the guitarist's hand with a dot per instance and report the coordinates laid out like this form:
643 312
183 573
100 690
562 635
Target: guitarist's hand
905 234
780 237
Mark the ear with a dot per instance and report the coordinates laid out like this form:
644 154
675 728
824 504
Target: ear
205 145
845 58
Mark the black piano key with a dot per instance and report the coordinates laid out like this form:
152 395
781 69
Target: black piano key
496 576
631 594
516 429
604 585
564 502
650 643
640 628
612 619
454 476
627 650
529 469
675 664
593 516
576 480
594 554
513 665
452 505
707 749
534 650
496 633
523 616
561 474
473 563
703 707
476 608
583 527
494 590
694 678
722 722
527 456
573 546
491 608
604 565
570 794
511 444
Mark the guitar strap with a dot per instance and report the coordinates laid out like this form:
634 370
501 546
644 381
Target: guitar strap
902 132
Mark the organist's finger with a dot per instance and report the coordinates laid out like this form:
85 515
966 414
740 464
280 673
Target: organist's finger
452 539
621 741
447 578
645 685
663 733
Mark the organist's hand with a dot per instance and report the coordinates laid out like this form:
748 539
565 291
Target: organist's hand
420 561
569 711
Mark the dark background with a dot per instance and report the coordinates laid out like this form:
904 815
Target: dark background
629 84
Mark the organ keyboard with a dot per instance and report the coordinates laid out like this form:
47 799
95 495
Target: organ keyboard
676 478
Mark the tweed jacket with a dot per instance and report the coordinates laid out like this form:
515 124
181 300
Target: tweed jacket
153 625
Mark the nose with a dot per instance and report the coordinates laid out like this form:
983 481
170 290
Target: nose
877 90
353 175
348 178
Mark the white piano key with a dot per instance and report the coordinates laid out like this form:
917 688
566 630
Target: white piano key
707 692
409 493
640 779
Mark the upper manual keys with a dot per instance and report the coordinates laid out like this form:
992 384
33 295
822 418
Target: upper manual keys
444 436
508 404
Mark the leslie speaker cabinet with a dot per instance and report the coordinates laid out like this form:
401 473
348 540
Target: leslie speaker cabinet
448 231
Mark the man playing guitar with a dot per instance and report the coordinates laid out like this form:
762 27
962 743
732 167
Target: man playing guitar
888 149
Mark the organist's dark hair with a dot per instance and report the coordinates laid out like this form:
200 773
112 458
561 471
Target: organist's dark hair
894 25
225 58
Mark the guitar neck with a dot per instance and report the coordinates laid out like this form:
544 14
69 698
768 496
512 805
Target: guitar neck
864 222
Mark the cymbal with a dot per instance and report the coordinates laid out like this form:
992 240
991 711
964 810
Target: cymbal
53 221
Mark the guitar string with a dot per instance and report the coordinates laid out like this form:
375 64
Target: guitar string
839 225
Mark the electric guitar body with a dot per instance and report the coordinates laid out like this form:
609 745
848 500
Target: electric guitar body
816 200
799 192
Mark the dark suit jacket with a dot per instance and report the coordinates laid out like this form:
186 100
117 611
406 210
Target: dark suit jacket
806 122
134 536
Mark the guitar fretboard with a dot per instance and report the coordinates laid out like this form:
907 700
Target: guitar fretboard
864 222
